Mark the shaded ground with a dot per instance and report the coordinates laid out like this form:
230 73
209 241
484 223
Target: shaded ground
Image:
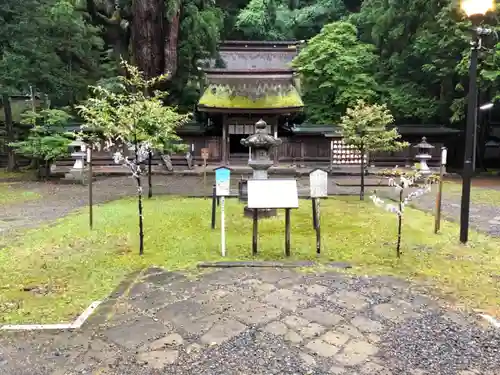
261 321
60 199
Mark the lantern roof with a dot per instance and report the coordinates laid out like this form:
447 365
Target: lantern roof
424 145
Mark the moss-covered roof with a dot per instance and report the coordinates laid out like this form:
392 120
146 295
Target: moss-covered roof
263 98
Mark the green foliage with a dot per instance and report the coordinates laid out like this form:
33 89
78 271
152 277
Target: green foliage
421 44
278 20
365 127
48 139
49 45
336 70
132 116
199 34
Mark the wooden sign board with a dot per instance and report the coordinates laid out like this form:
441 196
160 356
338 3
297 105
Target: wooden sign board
274 193
222 182
204 153
318 182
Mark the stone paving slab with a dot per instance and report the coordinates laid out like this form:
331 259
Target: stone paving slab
263 321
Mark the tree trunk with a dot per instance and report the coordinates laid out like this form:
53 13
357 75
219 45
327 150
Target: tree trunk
139 201
171 38
9 136
148 40
154 37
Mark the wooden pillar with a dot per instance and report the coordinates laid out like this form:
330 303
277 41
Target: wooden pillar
302 153
224 140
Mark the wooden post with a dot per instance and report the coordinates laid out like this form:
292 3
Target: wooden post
255 231
275 149
400 223
318 228
150 182
287 232
302 153
224 141
439 195
91 181
330 167
214 206
314 214
204 176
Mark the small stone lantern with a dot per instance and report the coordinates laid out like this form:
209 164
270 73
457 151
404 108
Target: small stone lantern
424 154
260 143
78 152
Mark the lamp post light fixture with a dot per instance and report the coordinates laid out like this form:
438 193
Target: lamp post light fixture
486 106
475 10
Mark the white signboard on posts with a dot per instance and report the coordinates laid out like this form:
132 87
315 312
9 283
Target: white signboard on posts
318 182
273 193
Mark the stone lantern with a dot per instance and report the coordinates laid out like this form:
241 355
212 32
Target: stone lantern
423 155
259 143
78 153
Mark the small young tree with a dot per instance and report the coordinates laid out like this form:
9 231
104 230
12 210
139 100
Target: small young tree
407 180
134 116
364 126
48 138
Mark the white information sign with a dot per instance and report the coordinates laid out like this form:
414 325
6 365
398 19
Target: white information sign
273 193
444 154
222 182
318 181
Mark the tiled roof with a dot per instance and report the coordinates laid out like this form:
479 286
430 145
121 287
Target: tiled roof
248 60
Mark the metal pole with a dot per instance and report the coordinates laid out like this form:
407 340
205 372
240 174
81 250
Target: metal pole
318 229
222 227
469 143
214 206
474 151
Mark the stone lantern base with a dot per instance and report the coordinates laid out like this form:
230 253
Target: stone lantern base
264 213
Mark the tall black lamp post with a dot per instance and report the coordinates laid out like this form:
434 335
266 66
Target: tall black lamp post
475 10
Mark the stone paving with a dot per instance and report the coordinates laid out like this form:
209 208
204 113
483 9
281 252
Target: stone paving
261 321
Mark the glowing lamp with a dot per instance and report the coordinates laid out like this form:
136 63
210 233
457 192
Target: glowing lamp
477 7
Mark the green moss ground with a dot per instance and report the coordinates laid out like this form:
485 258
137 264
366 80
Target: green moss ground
71 266
478 195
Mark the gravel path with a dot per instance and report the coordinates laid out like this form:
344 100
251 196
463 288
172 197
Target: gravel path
482 217
262 321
